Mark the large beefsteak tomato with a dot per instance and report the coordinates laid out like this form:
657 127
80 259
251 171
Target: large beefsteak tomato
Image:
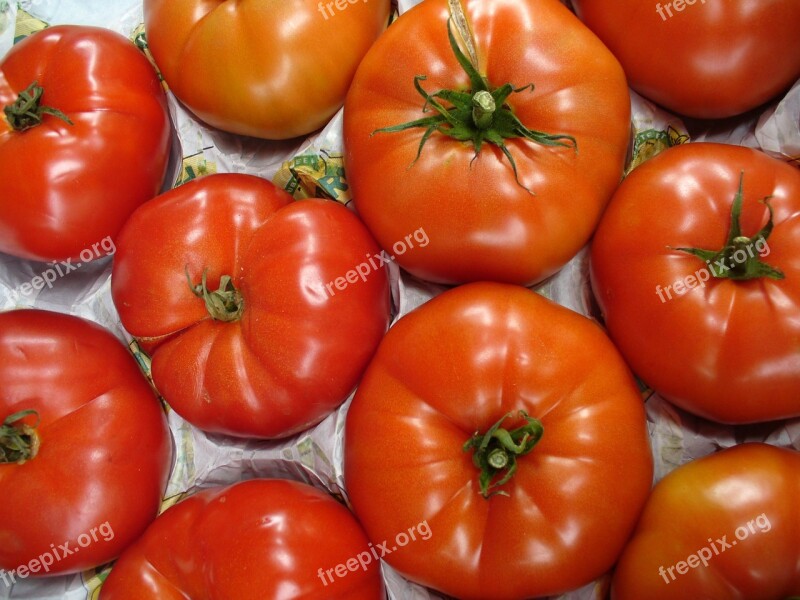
514 210
517 386
722 527
701 58
255 540
260 313
264 68
85 451
699 280
84 141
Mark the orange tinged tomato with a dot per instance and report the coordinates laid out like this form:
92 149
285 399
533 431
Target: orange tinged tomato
264 68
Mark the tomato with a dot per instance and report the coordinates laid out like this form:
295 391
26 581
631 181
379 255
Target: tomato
489 216
284 304
73 169
85 451
720 527
262 68
258 539
417 429
715 333
702 59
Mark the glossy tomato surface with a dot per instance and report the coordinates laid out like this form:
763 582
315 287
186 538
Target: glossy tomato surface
721 348
456 366
256 540
723 527
482 223
307 325
65 188
702 58
262 68
104 450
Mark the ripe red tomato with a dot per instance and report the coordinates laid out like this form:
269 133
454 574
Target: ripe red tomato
262 68
259 539
484 222
300 304
66 186
417 429
83 476
721 527
715 333
698 58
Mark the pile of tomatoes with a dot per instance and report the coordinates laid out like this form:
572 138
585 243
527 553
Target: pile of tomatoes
482 441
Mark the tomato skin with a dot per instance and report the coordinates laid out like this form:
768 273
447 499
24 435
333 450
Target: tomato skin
258 539
294 60
726 351
709 60
301 344
67 187
574 499
752 486
105 449
481 223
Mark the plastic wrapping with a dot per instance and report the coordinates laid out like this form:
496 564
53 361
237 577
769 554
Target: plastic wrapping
316 456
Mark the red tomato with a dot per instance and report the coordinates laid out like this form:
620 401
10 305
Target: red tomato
721 527
714 333
701 58
259 540
292 325
483 222
82 477
66 186
268 69
574 498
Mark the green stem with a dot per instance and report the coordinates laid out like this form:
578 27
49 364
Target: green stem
19 442
478 115
27 111
495 452
483 109
223 304
740 257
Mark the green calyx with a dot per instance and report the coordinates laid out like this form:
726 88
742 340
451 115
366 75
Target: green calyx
479 115
740 258
27 111
495 452
19 442
223 304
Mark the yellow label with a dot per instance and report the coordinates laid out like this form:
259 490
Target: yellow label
139 38
26 25
195 166
314 176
